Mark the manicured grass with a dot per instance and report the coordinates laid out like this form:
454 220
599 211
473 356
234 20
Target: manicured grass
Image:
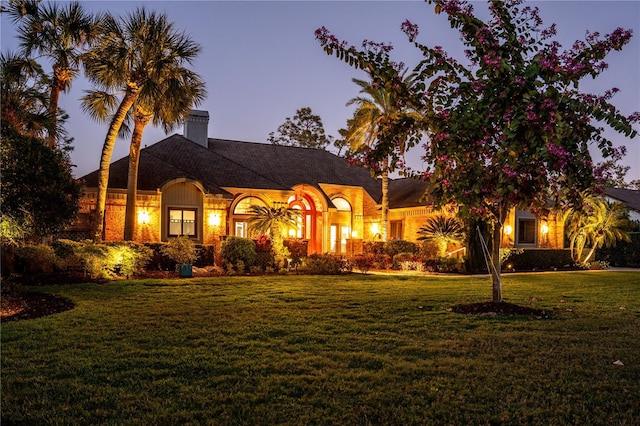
329 350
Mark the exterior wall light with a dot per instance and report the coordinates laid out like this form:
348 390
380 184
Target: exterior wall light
143 217
375 228
544 229
508 230
214 219
292 233
354 234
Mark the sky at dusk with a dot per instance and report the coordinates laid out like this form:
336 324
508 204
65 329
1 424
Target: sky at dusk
261 62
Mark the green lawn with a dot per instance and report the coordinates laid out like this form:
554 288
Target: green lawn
380 350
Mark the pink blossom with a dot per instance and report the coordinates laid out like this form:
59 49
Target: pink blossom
410 29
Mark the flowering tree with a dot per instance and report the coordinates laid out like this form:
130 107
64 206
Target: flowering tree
510 128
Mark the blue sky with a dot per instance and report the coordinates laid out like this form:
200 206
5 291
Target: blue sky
261 62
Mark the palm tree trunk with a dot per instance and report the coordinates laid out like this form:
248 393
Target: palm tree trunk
54 98
385 198
141 119
105 158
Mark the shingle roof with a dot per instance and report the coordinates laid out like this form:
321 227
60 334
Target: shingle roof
238 164
407 192
630 197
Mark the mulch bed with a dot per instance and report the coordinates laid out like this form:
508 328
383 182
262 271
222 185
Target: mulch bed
25 305
497 308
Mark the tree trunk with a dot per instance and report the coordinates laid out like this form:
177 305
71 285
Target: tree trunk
385 199
495 260
54 97
141 120
105 158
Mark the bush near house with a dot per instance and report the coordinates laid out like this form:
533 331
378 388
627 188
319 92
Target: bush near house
40 263
160 262
539 260
238 253
623 254
324 264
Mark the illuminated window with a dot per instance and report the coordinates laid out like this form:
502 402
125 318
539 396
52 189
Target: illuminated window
241 229
341 204
243 205
182 222
395 229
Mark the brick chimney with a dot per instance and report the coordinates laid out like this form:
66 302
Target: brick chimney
196 127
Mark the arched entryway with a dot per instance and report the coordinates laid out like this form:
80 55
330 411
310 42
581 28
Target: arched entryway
309 227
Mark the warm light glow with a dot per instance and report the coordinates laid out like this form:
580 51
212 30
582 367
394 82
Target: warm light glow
508 230
544 229
214 219
143 217
292 233
354 234
375 229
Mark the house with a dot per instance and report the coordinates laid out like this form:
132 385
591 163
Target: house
628 197
202 187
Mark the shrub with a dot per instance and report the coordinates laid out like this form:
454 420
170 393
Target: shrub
265 257
539 259
128 258
236 249
181 249
624 253
297 250
391 248
322 264
364 261
206 255
36 258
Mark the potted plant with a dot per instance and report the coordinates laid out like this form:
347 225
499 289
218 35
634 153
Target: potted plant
183 251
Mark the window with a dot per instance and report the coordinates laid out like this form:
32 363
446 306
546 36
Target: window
243 205
526 231
241 229
395 231
182 222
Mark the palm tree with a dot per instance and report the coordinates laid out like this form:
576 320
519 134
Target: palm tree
274 221
373 114
442 230
598 223
59 33
179 91
132 55
24 95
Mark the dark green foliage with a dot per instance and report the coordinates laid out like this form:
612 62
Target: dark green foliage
474 262
36 258
236 249
37 186
305 129
624 253
539 260
103 260
206 257
322 264
393 247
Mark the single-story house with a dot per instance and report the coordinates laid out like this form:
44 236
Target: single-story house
628 197
202 187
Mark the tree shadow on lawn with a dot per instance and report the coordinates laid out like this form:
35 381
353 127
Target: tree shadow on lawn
498 308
